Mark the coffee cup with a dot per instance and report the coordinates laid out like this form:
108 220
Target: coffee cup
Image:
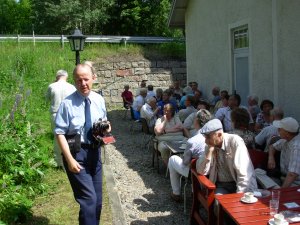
279 219
248 196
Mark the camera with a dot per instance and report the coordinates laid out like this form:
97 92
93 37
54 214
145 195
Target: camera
101 133
100 129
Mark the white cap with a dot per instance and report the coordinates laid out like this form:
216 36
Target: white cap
289 124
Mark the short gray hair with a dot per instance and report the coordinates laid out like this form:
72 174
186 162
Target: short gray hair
151 99
278 112
253 97
61 73
143 91
203 116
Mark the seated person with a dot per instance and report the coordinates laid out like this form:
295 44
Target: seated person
127 97
150 92
195 146
224 114
189 108
142 85
289 146
188 125
177 89
226 160
166 100
168 128
149 111
262 140
216 96
223 102
185 92
158 94
240 121
263 118
253 107
138 102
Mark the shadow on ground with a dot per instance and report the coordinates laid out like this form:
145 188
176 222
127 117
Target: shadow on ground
155 203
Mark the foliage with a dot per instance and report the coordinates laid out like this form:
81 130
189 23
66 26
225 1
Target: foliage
15 17
25 155
141 17
64 15
108 17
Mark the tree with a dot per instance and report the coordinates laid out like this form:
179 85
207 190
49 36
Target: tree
140 17
15 16
58 17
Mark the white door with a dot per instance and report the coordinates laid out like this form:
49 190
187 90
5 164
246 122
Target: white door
240 46
241 74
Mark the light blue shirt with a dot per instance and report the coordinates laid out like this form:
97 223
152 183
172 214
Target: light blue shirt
70 117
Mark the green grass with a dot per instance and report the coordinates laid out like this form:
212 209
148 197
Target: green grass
58 205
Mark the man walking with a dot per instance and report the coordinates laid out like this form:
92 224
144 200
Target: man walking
56 92
82 159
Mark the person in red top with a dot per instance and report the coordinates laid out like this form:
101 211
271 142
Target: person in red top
127 97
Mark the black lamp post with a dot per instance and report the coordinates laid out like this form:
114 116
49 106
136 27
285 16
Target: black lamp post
77 43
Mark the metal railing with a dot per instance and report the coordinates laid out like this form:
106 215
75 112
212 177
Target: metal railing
91 39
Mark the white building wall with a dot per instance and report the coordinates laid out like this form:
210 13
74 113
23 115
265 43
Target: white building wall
208 43
274 48
289 56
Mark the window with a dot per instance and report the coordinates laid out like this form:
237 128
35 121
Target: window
241 38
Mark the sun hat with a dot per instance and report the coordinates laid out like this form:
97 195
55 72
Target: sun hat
289 124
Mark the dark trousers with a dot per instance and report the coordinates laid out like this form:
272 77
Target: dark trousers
87 185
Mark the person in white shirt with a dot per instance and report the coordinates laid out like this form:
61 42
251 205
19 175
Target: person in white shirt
195 147
224 114
188 125
56 92
262 140
138 102
150 92
142 85
289 146
149 111
184 113
226 160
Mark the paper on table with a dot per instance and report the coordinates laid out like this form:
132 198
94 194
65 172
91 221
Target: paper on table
291 205
291 216
257 194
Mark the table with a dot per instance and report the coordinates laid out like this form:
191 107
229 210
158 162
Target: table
256 213
174 147
174 150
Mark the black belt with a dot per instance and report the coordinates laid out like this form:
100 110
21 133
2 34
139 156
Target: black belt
88 146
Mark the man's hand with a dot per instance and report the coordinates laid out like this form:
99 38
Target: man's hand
74 166
210 152
271 163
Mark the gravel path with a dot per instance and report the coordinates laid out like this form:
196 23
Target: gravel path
144 194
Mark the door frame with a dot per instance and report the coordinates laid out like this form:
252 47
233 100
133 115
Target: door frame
231 28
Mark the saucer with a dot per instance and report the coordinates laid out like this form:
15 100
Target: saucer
253 200
271 222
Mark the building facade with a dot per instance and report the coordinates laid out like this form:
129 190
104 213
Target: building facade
246 46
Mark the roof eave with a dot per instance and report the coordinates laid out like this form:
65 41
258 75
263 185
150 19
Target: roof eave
177 14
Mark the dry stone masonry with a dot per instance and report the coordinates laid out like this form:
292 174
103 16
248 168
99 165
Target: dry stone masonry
112 76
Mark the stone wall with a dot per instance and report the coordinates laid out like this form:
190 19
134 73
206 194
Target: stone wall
112 76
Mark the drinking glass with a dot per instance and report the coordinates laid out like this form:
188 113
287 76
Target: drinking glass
273 207
275 195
